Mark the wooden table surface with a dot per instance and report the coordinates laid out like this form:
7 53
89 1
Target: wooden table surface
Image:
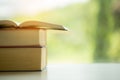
103 71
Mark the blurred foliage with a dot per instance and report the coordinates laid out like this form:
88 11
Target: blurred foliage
93 35
103 30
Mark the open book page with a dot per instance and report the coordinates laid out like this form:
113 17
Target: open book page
4 24
44 25
7 24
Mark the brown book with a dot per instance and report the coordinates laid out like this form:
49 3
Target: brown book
22 59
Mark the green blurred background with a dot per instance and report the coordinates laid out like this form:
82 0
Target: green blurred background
94 27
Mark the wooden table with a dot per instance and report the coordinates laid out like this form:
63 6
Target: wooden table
101 71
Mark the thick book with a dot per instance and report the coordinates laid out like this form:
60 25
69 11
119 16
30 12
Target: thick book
21 37
24 58
26 33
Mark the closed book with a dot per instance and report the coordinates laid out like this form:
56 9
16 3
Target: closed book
21 37
22 58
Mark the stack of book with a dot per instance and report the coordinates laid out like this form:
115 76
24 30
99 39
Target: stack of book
23 47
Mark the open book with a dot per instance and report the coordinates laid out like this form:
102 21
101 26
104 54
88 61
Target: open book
8 24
